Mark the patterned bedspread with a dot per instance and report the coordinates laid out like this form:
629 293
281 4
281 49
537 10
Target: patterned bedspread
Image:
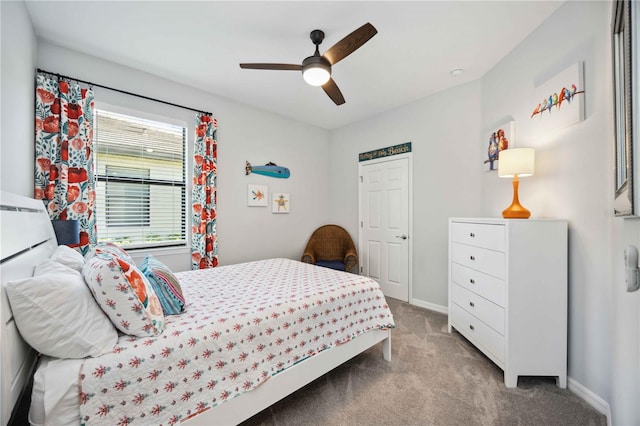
244 324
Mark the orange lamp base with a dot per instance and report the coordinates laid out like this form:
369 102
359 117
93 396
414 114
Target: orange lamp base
516 210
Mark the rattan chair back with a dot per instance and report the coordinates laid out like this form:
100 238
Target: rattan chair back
331 242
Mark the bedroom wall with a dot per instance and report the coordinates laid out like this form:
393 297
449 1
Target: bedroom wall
573 180
244 133
17 58
18 49
443 129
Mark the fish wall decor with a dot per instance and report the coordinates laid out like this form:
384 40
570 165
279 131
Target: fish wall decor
270 169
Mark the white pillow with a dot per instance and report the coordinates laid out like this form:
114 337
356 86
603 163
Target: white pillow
68 257
57 315
54 397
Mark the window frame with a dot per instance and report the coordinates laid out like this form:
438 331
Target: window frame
625 48
167 246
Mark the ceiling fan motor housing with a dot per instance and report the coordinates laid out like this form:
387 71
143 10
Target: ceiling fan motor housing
317 36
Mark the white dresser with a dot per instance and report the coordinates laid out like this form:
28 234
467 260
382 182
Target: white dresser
508 293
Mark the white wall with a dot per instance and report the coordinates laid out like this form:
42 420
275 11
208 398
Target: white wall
18 50
574 180
447 159
17 60
244 133
625 360
625 333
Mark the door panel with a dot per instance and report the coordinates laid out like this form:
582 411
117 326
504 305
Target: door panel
397 217
384 225
374 204
394 273
373 259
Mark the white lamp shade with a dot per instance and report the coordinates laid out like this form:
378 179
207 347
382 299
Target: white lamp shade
316 75
516 161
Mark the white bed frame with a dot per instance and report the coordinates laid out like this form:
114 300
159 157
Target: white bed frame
27 238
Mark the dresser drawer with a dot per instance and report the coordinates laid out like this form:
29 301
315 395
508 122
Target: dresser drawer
489 287
479 235
486 311
478 333
488 261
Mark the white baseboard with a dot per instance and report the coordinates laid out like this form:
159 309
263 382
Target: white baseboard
591 398
430 306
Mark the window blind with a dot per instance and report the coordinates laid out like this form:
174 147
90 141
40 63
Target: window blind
140 181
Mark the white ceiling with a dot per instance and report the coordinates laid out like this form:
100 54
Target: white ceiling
201 43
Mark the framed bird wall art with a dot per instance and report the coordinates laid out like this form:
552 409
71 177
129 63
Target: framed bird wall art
501 138
560 100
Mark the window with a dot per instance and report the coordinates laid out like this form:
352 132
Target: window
624 84
127 203
140 181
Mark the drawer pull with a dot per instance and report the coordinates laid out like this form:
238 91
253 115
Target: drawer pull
472 327
472 235
472 257
472 304
472 281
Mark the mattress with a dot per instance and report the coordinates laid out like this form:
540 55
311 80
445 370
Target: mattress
244 324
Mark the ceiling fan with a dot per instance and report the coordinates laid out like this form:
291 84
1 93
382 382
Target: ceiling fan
316 69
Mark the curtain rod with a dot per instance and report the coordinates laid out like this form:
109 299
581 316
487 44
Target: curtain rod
120 91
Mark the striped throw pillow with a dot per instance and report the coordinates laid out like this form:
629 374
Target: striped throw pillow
165 284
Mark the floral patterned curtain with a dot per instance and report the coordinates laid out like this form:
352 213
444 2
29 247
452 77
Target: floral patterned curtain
64 174
204 247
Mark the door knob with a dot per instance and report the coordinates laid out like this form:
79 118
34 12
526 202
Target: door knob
402 237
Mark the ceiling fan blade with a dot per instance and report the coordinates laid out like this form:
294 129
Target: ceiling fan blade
350 43
331 89
280 67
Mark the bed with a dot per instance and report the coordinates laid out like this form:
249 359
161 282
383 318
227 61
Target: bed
235 351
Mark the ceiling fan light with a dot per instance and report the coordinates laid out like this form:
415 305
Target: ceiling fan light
316 70
316 75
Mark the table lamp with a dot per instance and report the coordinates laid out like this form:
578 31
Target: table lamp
516 162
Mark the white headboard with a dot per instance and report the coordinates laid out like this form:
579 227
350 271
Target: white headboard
26 239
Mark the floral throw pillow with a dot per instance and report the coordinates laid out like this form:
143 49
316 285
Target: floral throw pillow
124 294
165 284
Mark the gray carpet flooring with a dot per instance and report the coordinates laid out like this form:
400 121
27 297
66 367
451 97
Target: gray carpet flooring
434 378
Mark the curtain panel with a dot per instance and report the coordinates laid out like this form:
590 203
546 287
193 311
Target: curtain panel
64 173
204 246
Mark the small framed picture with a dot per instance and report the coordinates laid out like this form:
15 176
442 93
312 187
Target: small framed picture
501 138
281 202
257 196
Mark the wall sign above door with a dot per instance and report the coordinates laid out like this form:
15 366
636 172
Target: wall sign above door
385 152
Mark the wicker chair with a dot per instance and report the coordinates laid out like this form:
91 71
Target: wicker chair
331 246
